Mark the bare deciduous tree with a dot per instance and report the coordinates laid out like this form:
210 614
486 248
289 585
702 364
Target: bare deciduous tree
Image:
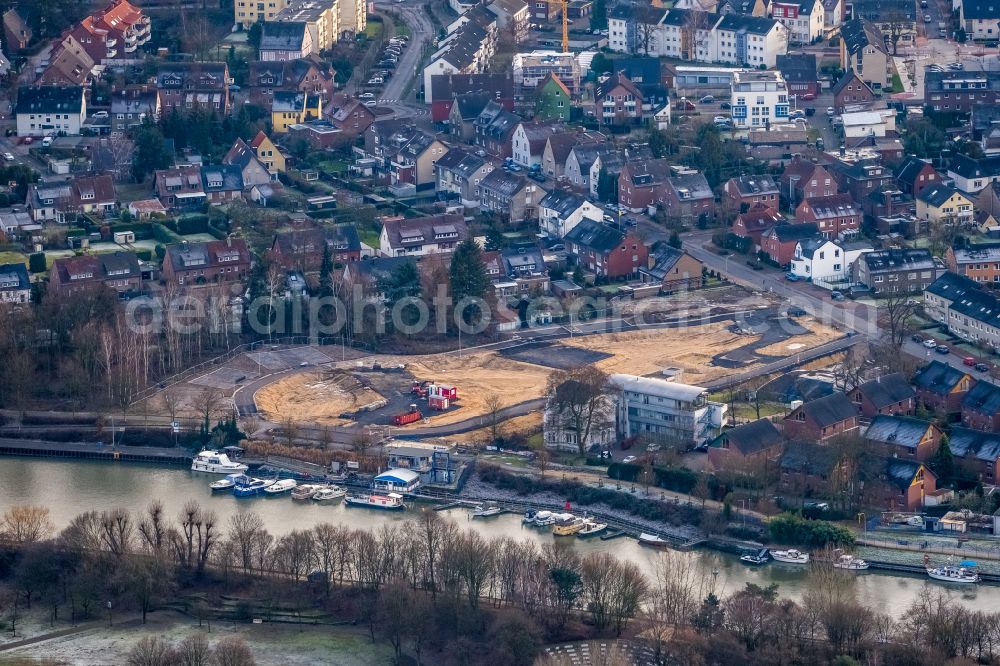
493 403
25 523
231 651
578 402
152 651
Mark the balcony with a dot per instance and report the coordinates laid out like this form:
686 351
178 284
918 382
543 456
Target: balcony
112 53
111 43
145 19
130 49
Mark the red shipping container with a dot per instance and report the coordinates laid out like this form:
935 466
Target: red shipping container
438 402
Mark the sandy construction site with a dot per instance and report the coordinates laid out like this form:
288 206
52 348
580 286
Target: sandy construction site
314 397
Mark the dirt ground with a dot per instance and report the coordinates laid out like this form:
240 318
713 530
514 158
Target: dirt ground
819 334
527 424
317 397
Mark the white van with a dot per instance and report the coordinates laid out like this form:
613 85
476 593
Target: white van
47 141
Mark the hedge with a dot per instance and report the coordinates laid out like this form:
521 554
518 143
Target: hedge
164 235
36 262
679 479
791 529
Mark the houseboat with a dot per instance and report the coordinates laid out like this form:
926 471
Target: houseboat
568 528
213 462
304 492
329 494
790 556
391 502
282 487
591 527
544 519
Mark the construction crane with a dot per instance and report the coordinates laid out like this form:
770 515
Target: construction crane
562 4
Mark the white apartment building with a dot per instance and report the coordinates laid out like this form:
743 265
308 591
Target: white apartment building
328 20
823 259
759 98
665 411
804 19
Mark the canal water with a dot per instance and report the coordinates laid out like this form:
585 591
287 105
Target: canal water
69 488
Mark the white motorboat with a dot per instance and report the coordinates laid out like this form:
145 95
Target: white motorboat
529 517
281 487
249 487
950 574
213 462
390 502
760 557
483 511
790 556
329 494
544 519
225 484
591 527
653 541
304 492
850 563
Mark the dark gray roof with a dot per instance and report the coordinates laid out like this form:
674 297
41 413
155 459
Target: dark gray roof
751 185
503 183
787 233
192 75
595 236
282 35
938 377
887 390
910 169
984 397
978 305
808 458
966 443
755 25
981 9
797 68
465 43
899 259
14 277
902 430
470 105
900 473
340 238
461 162
690 187
936 195
859 33
967 167
830 409
221 178
880 11
849 77
663 261
752 437
952 286
808 246
49 99
562 202
447 86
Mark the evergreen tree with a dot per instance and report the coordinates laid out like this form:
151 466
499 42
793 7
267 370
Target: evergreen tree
607 186
943 462
675 240
469 277
150 152
326 273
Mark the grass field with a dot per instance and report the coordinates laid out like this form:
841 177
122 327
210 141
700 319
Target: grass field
13 258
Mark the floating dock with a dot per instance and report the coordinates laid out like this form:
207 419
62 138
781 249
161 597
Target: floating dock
93 451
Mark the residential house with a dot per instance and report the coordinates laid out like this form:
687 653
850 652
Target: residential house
804 19
552 100
809 469
561 430
179 188
69 64
512 17
945 291
890 394
981 407
755 222
641 183
213 262
183 86
580 162
822 419
896 485
406 153
306 75
252 170
530 69
674 270
758 98
511 196
836 215
988 200
114 34
132 107
914 174
464 112
688 196
975 317
605 251
17 221
291 108
819 259
460 172
746 447
62 201
961 91
744 192
525 267
618 101
977 261
803 179
281 41
529 140
974 175
903 437
50 110
800 74
851 91
76 275
779 241
561 211
302 250
223 183
466 50
15 285
609 164
351 116
942 387
434 234
665 412
861 178
494 130
943 205
833 13
897 270
17 33
976 454
268 154
557 148
978 19
446 88
863 51
145 209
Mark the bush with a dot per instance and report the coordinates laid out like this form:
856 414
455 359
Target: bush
144 255
193 224
791 529
36 262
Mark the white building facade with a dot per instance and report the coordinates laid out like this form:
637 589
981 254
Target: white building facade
759 99
665 411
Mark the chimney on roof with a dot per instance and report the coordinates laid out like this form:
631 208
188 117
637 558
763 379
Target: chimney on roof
229 240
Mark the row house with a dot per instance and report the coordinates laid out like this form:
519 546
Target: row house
746 446
113 34
961 91
302 249
511 196
560 211
466 50
529 140
459 173
851 91
800 74
836 216
943 205
902 437
605 251
780 241
804 19
560 146
435 234
464 111
350 115
941 387
179 188
183 86
406 154
214 262
62 201
754 223
580 165
943 292
223 183
981 407
641 183
821 419
329 21
119 271
744 192
803 179
15 284
861 178
973 175
976 453
494 130
446 88
914 174
979 262
890 394
897 270
863 51
306 75
975 317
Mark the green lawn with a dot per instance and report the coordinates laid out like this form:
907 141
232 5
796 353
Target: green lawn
897 83
369 237
13 258
402 30
373 30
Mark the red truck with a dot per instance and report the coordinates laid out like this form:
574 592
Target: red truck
407 417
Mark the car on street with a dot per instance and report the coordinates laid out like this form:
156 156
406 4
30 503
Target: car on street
969 361
8 157
930 343
982 367
707 99
808 97
916 338
725 106
810 111
792 277
797 113
830 112
720 119
370 103
629 459
956 66
836 295
927 18
366 96
942 349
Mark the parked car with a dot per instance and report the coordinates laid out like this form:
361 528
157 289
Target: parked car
629 459
836 295
808 97
101 114
969 361
830 112
927 18
366 96
916 338
371 103
707 99
810 111
956 66
726 106
797 312
930 343
8 157
792 277
982 367
942 349
720 119
797 113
